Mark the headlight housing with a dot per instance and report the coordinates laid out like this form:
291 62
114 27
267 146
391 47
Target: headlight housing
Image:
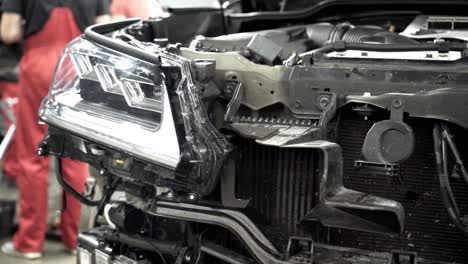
121 102
113 99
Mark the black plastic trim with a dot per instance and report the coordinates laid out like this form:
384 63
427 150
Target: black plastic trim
96 34
318 6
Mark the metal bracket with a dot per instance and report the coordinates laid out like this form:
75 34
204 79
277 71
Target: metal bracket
300 250
228 185
448 104
235 103
327 115
387 169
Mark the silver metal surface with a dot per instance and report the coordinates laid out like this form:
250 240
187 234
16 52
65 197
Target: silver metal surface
400 55
182 211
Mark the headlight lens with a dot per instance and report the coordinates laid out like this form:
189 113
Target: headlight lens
111 98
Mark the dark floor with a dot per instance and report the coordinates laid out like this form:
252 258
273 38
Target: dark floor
53 252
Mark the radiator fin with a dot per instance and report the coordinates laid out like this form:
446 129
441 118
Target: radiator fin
280 184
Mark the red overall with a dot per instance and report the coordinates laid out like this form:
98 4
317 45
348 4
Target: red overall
9 95
42 51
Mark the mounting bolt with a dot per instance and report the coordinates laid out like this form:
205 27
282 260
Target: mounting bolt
193 196
324 101
102 172
170 195
298 104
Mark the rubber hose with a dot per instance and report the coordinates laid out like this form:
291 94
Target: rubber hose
445 181
341 46
356 34
145 243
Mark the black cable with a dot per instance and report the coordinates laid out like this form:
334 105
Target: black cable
448 137
145 243
444 182
106 196
68 188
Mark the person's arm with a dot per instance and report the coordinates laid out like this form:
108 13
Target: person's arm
103 19
11 28
102 12
11 25
118 10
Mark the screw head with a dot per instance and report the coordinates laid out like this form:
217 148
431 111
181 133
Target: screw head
102 172
193 196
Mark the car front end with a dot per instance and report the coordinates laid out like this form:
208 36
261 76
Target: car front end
321 135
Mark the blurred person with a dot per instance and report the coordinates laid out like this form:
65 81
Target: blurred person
122 9
10 56
45 27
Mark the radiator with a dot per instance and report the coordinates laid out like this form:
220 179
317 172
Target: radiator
280 184
428 230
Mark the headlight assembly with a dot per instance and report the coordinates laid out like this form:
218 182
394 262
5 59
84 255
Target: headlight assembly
113 99
150 112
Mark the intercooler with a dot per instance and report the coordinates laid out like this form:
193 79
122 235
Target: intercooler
280 184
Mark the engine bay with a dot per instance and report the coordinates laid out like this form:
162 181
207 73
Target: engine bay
328 142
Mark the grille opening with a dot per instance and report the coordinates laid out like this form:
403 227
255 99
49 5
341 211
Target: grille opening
439 25
447 23
460 25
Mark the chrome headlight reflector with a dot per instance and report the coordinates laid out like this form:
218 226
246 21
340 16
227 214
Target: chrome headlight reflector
114 99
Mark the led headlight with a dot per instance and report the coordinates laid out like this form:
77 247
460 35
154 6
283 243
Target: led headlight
152 112
113 99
